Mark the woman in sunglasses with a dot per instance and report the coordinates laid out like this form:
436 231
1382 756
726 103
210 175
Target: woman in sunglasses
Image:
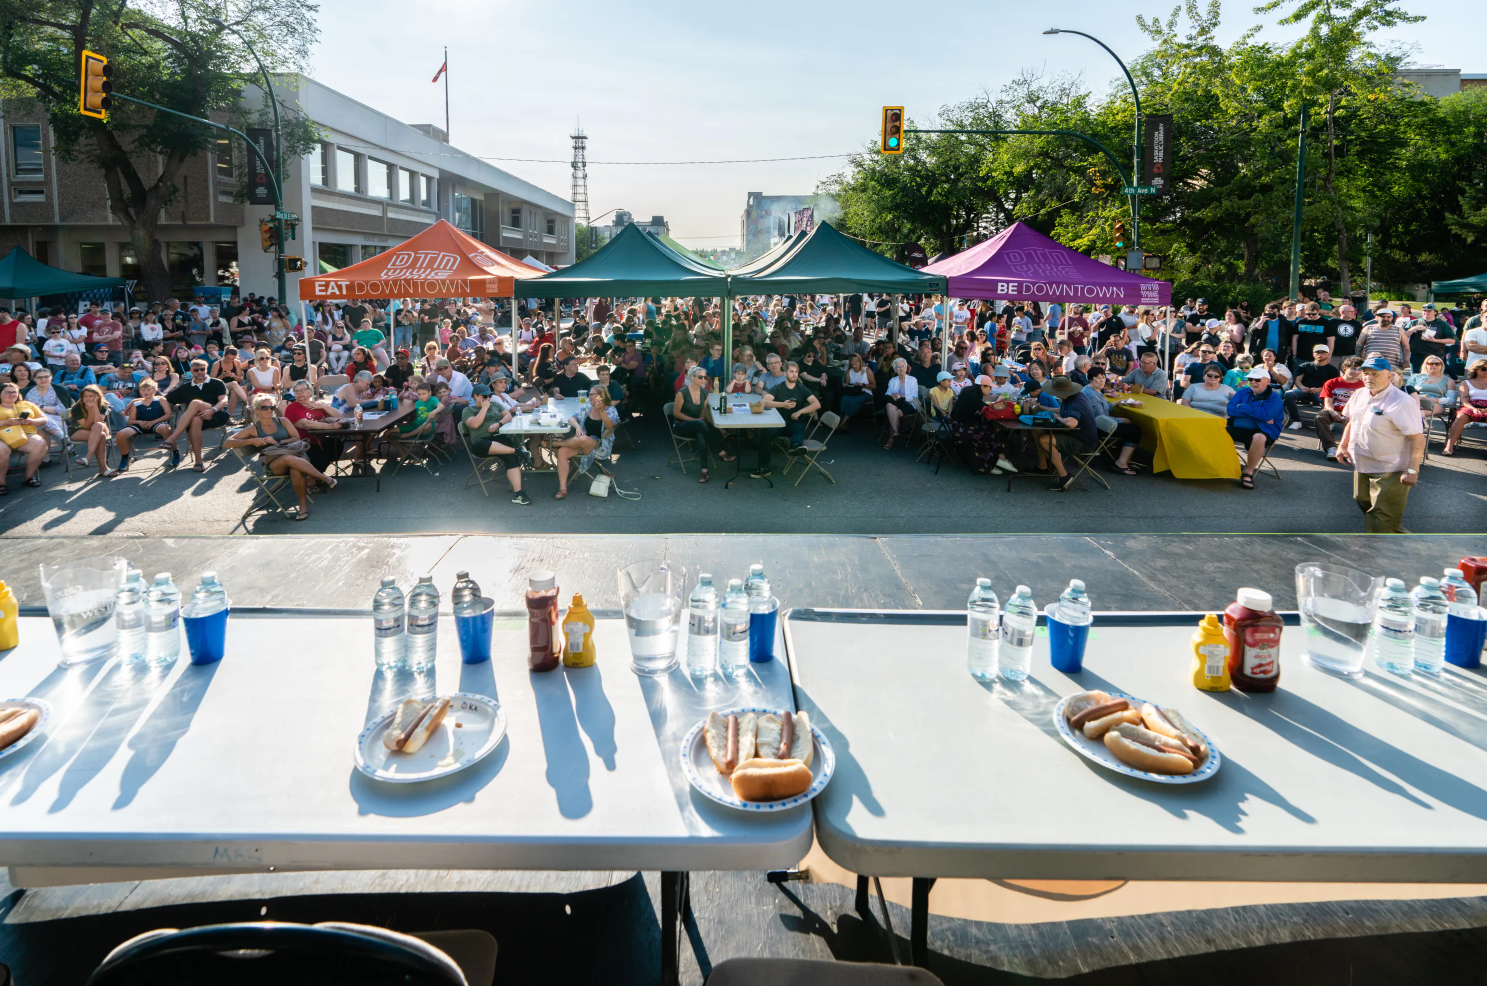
263 375
164 375
1211 395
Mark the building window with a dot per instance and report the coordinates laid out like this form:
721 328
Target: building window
348 174
94 259
406 181
515 221
128 262
552 227
333 256
370 250
469 214
187 268
379 179
320 167
223 148
532 220
43 252
227 263
426 191
25 146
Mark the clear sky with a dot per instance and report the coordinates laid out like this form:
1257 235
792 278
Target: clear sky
686 81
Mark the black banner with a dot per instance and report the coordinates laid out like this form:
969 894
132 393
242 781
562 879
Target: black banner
1157 154
260 192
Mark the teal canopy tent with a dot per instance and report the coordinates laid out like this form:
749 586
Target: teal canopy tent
824 261
1465 285
23 276
632 264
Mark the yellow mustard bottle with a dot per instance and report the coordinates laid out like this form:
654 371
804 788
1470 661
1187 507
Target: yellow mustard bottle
578 635
1210 656
10 630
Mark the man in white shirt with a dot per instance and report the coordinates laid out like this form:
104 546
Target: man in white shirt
460 387
1384 439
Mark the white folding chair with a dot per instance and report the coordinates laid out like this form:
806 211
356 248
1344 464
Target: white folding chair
680 444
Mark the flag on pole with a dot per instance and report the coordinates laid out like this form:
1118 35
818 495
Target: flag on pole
442 69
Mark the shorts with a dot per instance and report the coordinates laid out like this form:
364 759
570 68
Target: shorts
217 419
1069 443
1246 435
1472 412
482 448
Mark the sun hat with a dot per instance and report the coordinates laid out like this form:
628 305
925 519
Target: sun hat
1062 386
1001 371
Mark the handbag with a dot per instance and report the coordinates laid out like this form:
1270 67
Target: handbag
999 411
271 452
600 486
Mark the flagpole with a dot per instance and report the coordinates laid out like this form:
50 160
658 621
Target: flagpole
446 94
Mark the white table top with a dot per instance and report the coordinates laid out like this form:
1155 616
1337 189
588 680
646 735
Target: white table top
527 423
248 765
771 418
1381 779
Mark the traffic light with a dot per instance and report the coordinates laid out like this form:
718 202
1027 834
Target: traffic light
94 100
893 130
268 233
1119 233
294 265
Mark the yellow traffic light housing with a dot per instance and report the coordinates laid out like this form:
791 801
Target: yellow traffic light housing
893 130
94 100
1118 232
268 233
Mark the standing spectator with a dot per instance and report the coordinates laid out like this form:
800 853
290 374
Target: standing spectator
1335 396
1384 440
1272 331
1383 338
1076 330
1310 378
1343 332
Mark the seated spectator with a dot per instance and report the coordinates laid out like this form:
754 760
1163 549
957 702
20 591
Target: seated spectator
1146 377
264 432
902 398
49 399
1309 381
203 404
1003 384
87 420
980 439
690 416
19 435
1436 391
1127 432
354 393
942 395
74 377
960 377
1210 394
1472 402
1080 373
570 383
1255 415
740 383
1238 378
149 412
593 436
773 375
926 365
318 422
298 368
481 423
424 407
857 387
1078 414
1335 396
797 403
1280 374
361 361
1196 368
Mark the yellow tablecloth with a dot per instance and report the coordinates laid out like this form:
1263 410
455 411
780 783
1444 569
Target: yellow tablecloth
1191 444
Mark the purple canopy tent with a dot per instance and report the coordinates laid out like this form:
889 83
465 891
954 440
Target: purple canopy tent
1021 264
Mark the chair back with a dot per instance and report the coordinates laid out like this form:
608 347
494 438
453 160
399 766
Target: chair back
332 382
832 421
267 951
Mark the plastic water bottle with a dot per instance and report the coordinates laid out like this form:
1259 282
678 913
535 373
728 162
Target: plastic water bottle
209 596
130 618
465 599
733 630
1430 605
983 626
1072 608
1019 624
1393 635
389 613
163 623
423 624
1457 590
756 585
702 629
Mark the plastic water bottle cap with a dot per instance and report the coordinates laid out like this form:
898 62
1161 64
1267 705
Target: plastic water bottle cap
461 576
1394 583
1076 585
209 576
162 577
1023 590
388 581
1455 573
983 583
704 577
1429 582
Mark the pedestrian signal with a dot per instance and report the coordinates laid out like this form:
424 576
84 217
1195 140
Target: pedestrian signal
893 130
294 265
94 100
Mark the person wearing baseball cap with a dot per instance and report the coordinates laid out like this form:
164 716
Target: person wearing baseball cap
1429 335
1306 386
1382 337
1384 439
1255 414
979 437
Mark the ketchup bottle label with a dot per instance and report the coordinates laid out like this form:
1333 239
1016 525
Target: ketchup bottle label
1261 651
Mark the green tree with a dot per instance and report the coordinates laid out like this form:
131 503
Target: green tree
162 52
581 242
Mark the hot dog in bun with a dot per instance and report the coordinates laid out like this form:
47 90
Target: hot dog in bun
730 741
16 722
1169 722
1147 750
414 723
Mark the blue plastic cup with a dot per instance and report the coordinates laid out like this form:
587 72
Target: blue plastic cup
761 633
1465 638
474 632
206 636
1065 643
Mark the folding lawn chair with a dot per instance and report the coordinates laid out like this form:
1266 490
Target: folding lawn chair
270 486
680 444
1243 454
811 447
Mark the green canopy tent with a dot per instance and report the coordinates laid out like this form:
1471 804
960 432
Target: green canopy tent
769 256
1465 285
23 276
688 253
633 264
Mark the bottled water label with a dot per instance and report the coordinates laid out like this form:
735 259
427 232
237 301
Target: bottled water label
1214 658
164 622
703 624
389 627
1013 636
982 629
423 622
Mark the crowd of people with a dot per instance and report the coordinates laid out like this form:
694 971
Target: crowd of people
171 370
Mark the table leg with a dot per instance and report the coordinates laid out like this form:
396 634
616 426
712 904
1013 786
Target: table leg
676 904
919 922
864 902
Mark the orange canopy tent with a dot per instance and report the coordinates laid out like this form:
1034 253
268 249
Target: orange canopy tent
440 262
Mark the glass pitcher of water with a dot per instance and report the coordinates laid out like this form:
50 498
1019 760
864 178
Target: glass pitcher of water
80 599
1337 606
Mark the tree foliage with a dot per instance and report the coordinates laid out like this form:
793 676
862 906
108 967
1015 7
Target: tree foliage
166 52
1381 159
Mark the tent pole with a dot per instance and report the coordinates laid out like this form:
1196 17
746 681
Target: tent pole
727 306
945 334
896 299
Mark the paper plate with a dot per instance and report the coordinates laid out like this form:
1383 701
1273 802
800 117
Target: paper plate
473 728
1097 751
40 705
699 769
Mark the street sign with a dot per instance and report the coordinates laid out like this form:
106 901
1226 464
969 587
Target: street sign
1140 190
288 217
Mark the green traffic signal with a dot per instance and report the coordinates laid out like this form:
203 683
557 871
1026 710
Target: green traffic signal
892 141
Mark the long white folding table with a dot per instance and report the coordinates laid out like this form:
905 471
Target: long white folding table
247 765
740 417
1327 779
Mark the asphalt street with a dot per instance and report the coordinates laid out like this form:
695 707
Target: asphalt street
875 492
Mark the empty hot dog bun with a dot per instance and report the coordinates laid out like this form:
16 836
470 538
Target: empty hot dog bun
1096 728
767 739
1169 722
804 746
770 780
1145 750
16 723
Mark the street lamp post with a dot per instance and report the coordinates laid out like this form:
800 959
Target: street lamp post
268 91
1136 148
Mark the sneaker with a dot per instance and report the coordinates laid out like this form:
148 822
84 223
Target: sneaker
760 474
175 456
996 472
797 449
520 497
1005 466
1296 426
1063 483
525 455
1332 453
123 463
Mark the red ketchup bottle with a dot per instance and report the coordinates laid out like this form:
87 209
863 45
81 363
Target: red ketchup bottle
1252 630
542 622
